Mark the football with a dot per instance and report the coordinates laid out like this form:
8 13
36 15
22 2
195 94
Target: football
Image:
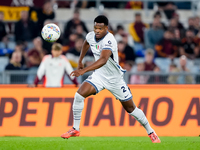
50 32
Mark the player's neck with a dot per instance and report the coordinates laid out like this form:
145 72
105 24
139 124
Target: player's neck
97 39
55 56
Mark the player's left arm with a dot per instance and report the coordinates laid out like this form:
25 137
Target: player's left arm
105 54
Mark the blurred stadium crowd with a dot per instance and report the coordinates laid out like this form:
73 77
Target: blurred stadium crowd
155 47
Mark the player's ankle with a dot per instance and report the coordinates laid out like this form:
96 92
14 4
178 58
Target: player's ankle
76 128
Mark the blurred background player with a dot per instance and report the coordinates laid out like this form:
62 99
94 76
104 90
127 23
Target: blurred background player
53 68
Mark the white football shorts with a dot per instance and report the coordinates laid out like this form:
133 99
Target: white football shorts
119 88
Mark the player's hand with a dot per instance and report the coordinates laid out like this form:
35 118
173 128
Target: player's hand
80 66
77 73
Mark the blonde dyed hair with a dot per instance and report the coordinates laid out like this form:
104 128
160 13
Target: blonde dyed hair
57 46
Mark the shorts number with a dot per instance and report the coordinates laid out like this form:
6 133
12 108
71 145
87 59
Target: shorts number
123 88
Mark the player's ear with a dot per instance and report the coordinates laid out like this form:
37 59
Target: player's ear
106 27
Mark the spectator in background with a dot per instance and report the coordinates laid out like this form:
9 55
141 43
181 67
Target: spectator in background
191 25
128 65
80 31
25 29
15 65
136 29
197 23
182 68
125 54
120 34
2 28
139 79
189 46
4 43
53 68
134 5
36 54
168 8
174 26
71 25
39 15
34 57
149 64
128 49
179 24
70 43
172 79
15 61
157 16
165 48
154 34
20 49
74 53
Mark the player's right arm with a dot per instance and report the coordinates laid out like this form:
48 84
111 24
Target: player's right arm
84 50
40 72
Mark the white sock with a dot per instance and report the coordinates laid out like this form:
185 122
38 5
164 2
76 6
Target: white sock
141 118
77 109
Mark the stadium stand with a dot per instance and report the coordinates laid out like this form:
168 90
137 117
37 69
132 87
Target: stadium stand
175 18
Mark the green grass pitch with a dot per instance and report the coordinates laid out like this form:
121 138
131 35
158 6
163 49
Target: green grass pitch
98 143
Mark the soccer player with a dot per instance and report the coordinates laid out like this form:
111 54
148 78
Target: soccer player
107 75
53 68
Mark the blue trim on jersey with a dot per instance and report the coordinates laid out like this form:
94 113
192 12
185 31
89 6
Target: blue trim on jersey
126 99
107 49
101 38
92 85
120 68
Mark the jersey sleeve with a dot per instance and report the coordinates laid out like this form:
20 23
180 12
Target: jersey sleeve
68 67
41 70
109 43
88 37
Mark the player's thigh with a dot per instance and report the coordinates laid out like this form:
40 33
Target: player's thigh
120 90
91 86
86 89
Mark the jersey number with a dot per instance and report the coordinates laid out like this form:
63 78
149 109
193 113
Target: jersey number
123 88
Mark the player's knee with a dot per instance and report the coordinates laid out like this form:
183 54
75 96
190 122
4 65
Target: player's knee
129 109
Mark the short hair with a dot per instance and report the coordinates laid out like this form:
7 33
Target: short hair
189 30
80 37
76 11
46 1
120 27
137 14
101 19
57 46
149 51
157 14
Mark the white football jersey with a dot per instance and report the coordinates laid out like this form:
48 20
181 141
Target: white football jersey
111 71
54 68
